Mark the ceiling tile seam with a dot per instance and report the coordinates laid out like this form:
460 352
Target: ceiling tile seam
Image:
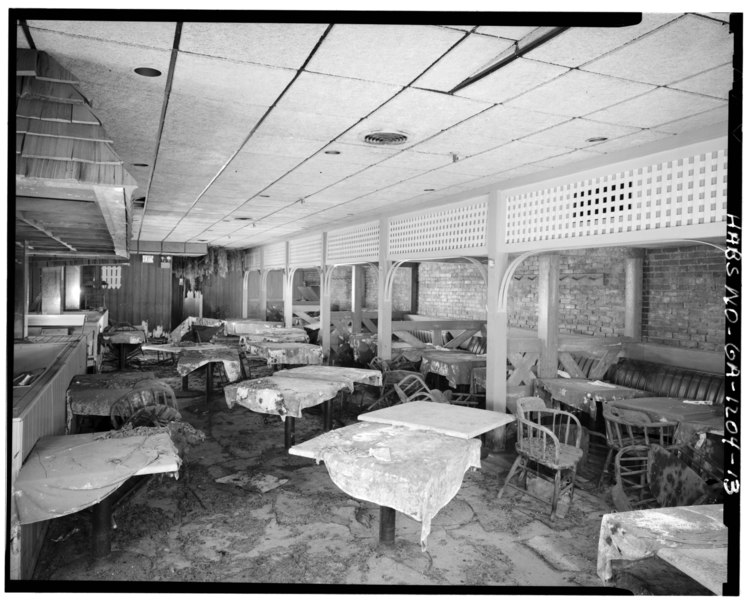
253 130
163 111
96 39
318 152
233 60
726 64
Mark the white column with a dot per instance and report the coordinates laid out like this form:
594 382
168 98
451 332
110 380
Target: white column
384 304
633 314
548 314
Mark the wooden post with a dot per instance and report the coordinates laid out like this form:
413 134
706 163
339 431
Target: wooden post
20 288
384 304
289 290
548 314
51 290
358 297
633 314
263 285
72 288
325 303
496 323
414 302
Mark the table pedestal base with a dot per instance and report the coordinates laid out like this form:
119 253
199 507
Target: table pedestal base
101 536
289 432
387 534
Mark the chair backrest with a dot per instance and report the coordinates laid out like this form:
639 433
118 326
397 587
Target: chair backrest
154 393
625 427
541 430
410 386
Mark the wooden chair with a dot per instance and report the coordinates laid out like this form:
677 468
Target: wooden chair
656 477
547 439
148 403
412 388
625 427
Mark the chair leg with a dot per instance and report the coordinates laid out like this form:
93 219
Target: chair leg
571 484
605 466
555 498
513 470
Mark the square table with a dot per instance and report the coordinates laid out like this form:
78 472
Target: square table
584 394
692 538
190 359
449 419
286 397
93 395
125 341
399 468
286 353
349 375
65 474
276 335
243 326
693 419
454 365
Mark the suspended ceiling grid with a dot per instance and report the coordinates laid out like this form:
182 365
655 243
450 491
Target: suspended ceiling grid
229 145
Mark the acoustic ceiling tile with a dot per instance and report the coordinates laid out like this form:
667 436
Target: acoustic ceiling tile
709 118
513 79
578 45
228 81
655 108
281 45
282 146
505 31
338 96
305 125
387 53
644 136
466 59
417 113
680 49
577 133
152 34
577 93
715 82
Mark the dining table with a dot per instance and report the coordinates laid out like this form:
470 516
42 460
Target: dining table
68 473
585 394
276 334
286 353
454 365
125 341
243 326
694 539
92 395
694 418
409 458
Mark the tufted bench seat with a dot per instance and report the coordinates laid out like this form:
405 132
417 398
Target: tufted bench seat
666 380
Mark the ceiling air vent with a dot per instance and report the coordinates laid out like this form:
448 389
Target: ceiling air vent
139 202
386 138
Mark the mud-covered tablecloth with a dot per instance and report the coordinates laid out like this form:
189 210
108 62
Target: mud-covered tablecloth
189 360
454 365
65 474
347 375
412 471
286 353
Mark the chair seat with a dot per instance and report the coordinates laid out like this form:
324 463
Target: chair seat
534 449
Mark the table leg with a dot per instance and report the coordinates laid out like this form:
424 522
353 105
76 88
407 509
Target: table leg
484 449
328 409
209 380
102 528
185 383
387 525
122 357
289 432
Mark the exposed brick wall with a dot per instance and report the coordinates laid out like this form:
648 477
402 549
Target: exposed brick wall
451 291
341 288
682 300
401 294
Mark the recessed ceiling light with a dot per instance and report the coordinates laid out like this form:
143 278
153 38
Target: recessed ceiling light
148 72
140 165
243 218
597 139
264 196
331 152
202 240
429 190
385 138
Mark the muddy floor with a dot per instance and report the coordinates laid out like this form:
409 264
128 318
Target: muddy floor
304 530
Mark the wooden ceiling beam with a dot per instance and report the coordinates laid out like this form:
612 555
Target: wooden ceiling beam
111 201
45 231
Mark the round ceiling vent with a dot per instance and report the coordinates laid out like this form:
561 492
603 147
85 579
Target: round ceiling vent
386 138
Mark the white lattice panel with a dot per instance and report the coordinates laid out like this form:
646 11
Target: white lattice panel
112 276
690 190
274 256
306 252
355 244
455 230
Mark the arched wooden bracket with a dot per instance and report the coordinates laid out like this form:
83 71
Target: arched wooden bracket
289 281
330 270
265 275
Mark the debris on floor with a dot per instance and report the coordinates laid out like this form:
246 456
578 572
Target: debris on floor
261 482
